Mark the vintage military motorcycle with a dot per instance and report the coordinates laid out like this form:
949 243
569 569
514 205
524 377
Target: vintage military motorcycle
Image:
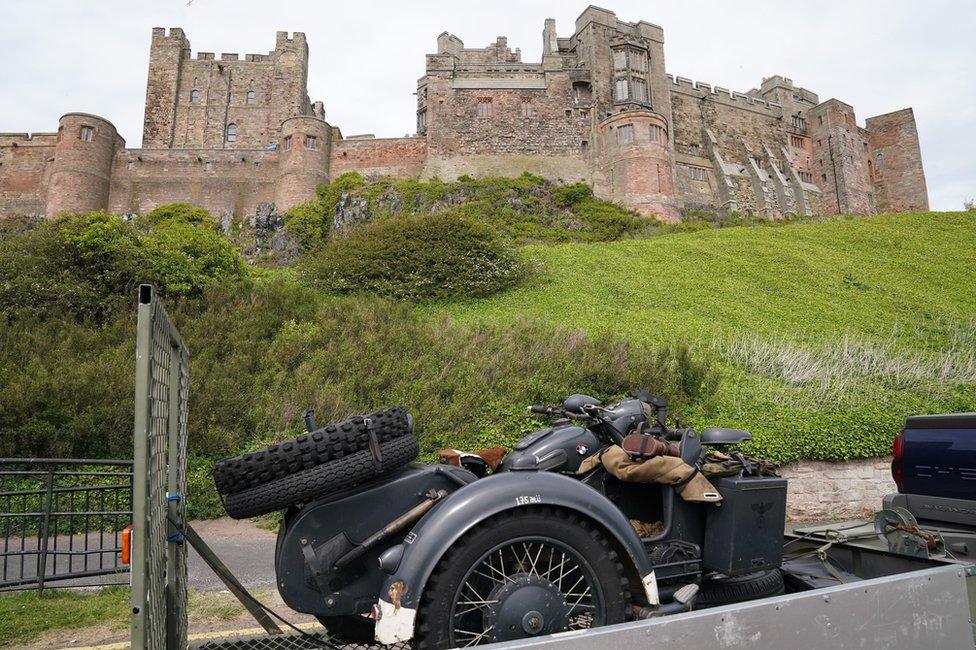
377 546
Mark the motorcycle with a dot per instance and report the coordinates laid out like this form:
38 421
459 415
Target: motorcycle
453 556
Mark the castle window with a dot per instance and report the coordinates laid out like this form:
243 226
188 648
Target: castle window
658 134
87 133
799 123
820 120
823 177
286 145
625 134
620 59
699 174
879 161
639 88
584 146
621 90
194 96
249 97
526 108
310 141
806 177
231 133
796 142
484 107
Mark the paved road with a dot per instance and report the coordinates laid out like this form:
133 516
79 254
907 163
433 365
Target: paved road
248 551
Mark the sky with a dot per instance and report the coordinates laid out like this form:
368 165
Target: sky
365 57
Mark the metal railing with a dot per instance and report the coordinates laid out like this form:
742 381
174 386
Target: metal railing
61 521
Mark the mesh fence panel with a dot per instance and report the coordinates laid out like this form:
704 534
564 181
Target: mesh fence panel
159 480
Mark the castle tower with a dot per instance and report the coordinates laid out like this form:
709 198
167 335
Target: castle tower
166 53
895 166
303 159
82 167
638 165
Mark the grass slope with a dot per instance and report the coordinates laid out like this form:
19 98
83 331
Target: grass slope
829 333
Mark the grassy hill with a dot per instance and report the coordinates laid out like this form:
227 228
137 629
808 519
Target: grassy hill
819 336
828 334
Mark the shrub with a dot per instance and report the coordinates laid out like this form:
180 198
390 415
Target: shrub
310 223
415 258
179 213
88 265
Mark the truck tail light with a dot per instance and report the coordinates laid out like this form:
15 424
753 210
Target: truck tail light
898 461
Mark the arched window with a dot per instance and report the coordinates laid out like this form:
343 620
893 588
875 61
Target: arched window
194 96
249 98
231 132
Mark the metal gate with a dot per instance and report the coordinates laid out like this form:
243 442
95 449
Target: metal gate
61 520
159 480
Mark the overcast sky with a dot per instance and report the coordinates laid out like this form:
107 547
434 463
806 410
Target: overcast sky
365 57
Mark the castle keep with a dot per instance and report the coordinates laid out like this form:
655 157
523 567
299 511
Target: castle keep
231 133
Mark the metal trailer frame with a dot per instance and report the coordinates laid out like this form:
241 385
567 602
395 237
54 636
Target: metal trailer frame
159 617
906 611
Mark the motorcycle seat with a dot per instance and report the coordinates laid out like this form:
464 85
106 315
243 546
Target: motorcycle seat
723 436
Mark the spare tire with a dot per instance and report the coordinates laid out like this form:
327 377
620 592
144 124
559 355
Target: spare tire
725 591
301 487
309 450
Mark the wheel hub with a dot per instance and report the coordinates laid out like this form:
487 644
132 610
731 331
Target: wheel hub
526 605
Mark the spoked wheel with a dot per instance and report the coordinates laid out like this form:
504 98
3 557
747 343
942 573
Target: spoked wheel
520 576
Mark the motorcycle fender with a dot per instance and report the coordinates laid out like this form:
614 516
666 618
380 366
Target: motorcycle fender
461 511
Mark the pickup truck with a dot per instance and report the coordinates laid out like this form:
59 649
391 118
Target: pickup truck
934 467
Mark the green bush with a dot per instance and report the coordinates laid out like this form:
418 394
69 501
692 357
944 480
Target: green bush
526 208
180 213
439 256
310 223
88 265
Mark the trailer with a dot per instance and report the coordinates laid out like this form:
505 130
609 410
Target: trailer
874 584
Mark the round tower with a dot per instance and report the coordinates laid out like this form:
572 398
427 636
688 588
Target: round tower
303 159
82 168
639 165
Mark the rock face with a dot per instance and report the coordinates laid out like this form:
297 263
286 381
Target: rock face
351 212
265 237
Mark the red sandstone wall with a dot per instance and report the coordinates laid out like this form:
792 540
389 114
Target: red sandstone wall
896 163
218 181
399 157
23 172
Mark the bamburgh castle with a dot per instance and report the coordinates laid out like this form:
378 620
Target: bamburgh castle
231 133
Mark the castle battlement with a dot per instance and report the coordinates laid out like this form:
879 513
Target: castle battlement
231 132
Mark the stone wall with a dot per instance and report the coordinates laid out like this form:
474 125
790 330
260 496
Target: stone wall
896 163
820 491
397 157
221 182
24 172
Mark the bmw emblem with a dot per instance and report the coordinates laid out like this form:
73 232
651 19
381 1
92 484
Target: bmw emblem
582 449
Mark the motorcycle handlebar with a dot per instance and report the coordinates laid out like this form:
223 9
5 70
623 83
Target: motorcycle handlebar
558 412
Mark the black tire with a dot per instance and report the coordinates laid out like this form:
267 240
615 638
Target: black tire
309 484
308 450
435 626
350 629
725 591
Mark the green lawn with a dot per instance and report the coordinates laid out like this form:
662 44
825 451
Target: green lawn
908 275
25 616
829 333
